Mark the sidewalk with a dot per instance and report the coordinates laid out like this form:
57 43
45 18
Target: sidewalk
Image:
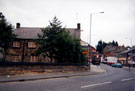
95 70
129 69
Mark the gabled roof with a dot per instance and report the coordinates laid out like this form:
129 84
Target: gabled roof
32 32
109 48
114 49
127 51
27 32
84 43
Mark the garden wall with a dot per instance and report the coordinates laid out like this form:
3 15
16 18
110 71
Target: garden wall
28 68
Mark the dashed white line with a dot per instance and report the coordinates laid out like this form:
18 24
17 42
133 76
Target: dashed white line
127 79
95 84
103 83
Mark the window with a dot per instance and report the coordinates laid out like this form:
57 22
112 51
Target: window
15 58
16 44
31 45
33 58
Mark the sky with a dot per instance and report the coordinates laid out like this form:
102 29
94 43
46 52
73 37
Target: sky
116 23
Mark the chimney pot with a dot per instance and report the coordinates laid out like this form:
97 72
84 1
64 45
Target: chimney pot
18 25
78 26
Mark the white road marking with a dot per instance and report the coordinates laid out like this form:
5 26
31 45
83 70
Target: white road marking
127 79
95 84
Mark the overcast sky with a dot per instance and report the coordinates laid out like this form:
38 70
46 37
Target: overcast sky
117 23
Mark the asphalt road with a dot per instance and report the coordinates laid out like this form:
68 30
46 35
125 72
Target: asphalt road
116 79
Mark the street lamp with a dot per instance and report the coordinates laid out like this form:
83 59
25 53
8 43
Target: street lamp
129 62
90 32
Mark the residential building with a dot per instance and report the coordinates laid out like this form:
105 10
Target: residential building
23 48
89 50
127 56
110 50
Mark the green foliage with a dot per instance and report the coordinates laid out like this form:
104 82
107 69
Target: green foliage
47 40
113 43
101 45
6 35
56 43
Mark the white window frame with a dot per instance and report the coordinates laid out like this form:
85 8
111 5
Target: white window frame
16 44
31 44
15 58
33 58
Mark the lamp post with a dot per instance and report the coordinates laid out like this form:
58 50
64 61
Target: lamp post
130 62
131 56
90 34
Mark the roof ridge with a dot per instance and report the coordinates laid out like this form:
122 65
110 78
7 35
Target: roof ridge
33 27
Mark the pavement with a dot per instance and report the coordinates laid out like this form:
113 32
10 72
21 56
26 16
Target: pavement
95 70
132 69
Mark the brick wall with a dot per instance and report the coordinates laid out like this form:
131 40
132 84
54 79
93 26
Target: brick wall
24 53
15 70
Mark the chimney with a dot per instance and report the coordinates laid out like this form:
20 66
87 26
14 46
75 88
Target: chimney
78 26
18 25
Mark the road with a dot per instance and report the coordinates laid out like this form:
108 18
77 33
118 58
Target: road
116 79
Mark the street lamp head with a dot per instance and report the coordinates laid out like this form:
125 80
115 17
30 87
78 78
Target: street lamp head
101 12
96 13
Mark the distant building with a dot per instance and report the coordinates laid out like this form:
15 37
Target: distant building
23 48
127 56
90 50
110 50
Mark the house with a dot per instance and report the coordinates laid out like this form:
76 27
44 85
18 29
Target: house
89 50
127 56
84 45
23 48
110 50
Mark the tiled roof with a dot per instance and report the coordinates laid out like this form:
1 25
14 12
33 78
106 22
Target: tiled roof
114 49
83 43
27 32
31 32
127 51
109 48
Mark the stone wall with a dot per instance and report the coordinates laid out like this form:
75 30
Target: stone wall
15 70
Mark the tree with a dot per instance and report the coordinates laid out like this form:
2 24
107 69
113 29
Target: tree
56 43
113 43
6 34
47 40
101 45
116 43
69 50
65 46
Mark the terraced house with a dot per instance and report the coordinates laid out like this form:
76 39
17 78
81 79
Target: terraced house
23 48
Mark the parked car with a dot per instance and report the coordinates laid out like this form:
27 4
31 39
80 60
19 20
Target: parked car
117 65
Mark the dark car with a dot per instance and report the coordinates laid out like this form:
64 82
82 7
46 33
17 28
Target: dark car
95 61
